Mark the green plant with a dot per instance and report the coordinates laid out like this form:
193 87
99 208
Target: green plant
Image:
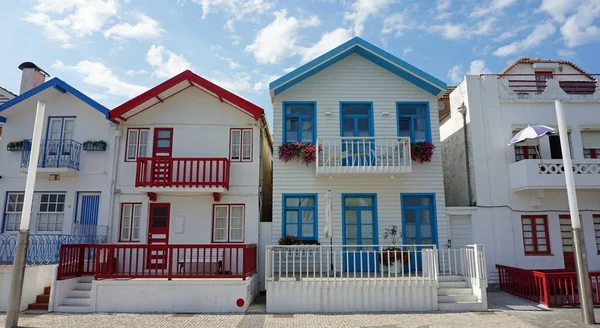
391 254
94 143
292 240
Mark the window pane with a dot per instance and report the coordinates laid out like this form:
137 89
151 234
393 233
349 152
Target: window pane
237 212
143 144
307 130
420 130
415 110
351 217
292 201
410 216
163 143
359 201
348 127
360 109
351 231
417 201
363 127
164 134
299 110
246 144
291 217
366 217
307 217
307 230
292 129
291 229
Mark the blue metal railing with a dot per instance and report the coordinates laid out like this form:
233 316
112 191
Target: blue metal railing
43 249
54 153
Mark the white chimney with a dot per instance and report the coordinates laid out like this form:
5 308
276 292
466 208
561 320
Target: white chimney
32 76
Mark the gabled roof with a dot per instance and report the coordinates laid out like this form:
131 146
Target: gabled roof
61 86
368 51
177 84
526 60
5 96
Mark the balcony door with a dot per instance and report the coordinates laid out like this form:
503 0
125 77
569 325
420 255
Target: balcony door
59 136
356 124
418 224
568 247
162 153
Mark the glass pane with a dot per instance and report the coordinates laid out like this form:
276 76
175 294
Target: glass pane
527 234
221 212
235 137
361 109
411 241
426 241
292 201
366 217
410 216
299 109
351 217
45 198
52 197
163 143
411 110
160 211
410 231
307 201
363 127
358 201
348 127
307 130
159 222
539 220
291 217
292 129
351 231
237 212
540 228
425 217
61 198
366 232
307 230
291 229
307 217
529 248
542 248
420 130
351 241
417 201
426 231
164 134
527 227
404 126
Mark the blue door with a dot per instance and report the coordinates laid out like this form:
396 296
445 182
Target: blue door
357 121
419 225
86 220
360 232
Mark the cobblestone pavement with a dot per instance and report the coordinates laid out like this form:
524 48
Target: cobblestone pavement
506 311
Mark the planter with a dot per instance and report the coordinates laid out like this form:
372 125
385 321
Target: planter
16 145
14 148
92 147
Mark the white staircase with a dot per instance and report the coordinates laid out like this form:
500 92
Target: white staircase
455 294
78 299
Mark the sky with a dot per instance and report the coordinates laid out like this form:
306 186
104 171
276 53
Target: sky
113 50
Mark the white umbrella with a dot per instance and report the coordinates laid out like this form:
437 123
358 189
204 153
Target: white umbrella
328 216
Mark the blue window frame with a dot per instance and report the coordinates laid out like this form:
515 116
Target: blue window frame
299 121
419 221
413 120
356 119
300 216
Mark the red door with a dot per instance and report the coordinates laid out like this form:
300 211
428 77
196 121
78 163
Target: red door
162 152
158 234
567 242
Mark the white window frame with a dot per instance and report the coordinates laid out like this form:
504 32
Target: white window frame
60 215
15 212
129 209
243 140
228 220
137 151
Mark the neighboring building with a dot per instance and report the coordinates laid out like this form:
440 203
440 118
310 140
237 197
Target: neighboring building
73 189
193 179
517 203
360 108
5 96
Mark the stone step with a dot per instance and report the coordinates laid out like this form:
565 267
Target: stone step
42 298
72 309
456 298
455 291
83 286
461 306
80 293
453 284
86 278
47 290
77 301
38 306
451 278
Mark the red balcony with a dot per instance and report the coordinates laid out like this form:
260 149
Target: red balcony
177 174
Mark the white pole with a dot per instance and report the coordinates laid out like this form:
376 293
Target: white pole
18 269
585 293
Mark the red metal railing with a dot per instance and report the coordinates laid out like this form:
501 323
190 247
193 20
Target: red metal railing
175 261
76 260
182 172
553 288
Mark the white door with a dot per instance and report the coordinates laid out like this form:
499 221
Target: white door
460 230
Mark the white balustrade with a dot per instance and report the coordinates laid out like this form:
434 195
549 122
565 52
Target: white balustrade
578 168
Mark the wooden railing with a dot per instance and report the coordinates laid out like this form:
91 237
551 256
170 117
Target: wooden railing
76 260
175 261
182 172
553 288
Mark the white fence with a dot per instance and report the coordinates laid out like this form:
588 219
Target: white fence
363 155
467 261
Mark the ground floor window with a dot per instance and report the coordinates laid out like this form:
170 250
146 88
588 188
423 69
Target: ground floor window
536 240
131 214
51 212
419 219
300 216
12 214
228 223
525 152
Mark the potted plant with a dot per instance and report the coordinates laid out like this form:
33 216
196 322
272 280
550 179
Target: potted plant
392 256
304 152
15 145
421 151
94 145
292 240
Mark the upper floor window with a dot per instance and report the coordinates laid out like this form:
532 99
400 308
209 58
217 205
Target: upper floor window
413 121
591 144
240 145
299 121
61 128
300 216
536 239
527 149
51 212
137 144
596 218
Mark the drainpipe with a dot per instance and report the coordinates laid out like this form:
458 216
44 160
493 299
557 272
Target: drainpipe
463 110
113 181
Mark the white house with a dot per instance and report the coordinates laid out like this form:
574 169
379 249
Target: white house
193 164
358 109
516 204
72 192
5 96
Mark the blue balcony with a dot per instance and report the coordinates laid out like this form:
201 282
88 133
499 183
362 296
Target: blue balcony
56 156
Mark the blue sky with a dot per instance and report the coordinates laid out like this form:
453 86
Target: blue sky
114 49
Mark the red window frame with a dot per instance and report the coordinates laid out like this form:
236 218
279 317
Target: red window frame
594 153
130 240
240 157
228 224
137 144
534 237
596 217
527 150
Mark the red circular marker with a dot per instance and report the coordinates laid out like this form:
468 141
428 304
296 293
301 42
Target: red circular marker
240 302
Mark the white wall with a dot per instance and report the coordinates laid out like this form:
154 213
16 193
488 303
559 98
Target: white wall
36 278
95 167
176 296
355 78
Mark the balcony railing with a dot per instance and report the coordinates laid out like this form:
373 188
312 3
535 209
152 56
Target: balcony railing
182 172
54 153
549 174
358 155
43 249
527 83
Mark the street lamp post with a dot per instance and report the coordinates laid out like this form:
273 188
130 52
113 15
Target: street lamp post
583 275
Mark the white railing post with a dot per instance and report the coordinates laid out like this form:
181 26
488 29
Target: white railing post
317 163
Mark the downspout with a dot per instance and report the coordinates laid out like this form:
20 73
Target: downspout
260 175
463 110
113 182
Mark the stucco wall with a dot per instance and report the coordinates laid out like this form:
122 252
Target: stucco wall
36 278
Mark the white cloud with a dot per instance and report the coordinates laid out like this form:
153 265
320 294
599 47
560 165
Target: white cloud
328 41
166 63
539 34
263 84
442 5
277 40
53 29
451 31
288 69
494 6
241 82
396 23
579 28
136 72
478 67
558 9
361 10
98 75
407 50
145 28
232 63
455 73
235 8
566 53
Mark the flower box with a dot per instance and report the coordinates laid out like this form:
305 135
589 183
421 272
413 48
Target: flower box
304 152
94 146
15 145
421 151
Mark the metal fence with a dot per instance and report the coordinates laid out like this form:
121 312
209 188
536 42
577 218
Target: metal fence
43 249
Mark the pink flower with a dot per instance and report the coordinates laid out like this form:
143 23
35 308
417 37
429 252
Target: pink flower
421 151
